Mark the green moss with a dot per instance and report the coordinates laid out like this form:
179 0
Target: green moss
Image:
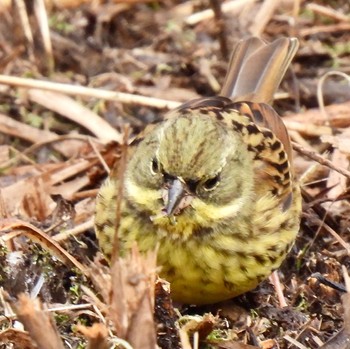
58 23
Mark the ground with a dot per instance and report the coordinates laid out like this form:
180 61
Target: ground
58 141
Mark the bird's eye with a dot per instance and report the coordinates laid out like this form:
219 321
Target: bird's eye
211 183
155 167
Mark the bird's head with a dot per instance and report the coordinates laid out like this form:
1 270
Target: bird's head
190 163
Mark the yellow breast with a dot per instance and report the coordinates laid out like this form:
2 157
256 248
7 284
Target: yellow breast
207 264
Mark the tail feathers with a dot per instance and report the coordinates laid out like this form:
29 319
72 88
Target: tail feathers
256 69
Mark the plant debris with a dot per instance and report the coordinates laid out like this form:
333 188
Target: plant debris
73 75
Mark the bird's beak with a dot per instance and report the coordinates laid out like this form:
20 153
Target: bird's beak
176 192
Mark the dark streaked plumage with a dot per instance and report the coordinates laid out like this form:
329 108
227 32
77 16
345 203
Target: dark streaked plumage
212 185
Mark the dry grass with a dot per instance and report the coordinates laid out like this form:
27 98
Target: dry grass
71 79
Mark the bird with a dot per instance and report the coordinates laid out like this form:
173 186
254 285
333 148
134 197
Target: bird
211 187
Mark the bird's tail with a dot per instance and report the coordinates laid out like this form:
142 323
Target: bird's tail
256 69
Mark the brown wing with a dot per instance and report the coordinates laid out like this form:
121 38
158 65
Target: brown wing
254 74
266 117
266 136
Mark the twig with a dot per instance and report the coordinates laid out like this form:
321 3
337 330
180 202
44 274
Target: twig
69 108
324 29
263 17
18 129
83 194
221 28
24 154
74 231
234 6
346 279
328 12
41 15
307 128
321 160
87 92
319 90
185 340
99 156
296 8
294 342
336 236
20 227
339 117
26 27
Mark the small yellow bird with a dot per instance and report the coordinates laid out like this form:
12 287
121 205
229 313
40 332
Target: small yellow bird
212 185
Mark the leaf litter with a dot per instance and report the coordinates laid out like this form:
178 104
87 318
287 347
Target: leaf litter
95 66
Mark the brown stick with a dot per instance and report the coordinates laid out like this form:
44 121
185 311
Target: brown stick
221 28
321 160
